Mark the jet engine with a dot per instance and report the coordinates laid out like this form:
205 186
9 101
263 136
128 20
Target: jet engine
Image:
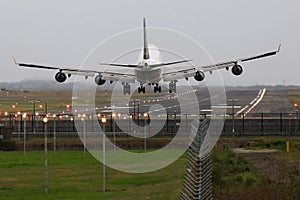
199 76
237 70
99 80
60 77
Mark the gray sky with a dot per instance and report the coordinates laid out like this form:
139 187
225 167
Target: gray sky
62 32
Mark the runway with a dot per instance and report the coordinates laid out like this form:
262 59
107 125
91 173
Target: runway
273 101
246 101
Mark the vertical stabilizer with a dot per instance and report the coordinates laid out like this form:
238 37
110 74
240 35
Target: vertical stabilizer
146 49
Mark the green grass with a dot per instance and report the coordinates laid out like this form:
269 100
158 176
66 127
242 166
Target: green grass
21 100
75 175
278 143
232 172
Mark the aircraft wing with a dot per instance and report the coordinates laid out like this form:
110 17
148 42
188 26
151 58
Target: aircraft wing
210 68
121 77
180 74
190 71
106 75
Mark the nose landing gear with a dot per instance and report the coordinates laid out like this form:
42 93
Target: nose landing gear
172 87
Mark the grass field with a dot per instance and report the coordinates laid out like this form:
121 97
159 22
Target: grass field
75 175
22 104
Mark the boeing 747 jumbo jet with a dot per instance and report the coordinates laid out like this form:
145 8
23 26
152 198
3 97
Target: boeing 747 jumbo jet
149 70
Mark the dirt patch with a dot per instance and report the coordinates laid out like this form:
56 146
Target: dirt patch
273 167
280 177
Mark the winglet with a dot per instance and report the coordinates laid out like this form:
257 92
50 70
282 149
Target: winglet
15 61
279 48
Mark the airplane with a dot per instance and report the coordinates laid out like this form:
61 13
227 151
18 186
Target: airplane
149 69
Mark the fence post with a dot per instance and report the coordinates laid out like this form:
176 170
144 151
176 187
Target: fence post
167 123
243 123
297 122
281 128
262 122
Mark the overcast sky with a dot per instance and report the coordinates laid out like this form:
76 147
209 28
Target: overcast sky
63 32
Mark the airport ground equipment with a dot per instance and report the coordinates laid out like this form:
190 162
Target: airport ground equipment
197 182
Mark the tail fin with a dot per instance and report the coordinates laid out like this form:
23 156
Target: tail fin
146 49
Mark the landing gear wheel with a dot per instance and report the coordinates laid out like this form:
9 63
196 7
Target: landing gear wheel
157 89
141 90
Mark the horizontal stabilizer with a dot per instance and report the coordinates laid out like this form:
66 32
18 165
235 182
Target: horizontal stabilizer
169 63
120 65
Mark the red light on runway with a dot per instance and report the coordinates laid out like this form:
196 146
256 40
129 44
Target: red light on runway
68 106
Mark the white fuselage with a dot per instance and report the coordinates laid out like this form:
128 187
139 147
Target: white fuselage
145 73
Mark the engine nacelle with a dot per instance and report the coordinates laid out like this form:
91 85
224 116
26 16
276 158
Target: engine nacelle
99 80
60 77
237 70
199 76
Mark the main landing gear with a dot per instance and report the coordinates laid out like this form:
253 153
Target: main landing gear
141 89
172 87
157 88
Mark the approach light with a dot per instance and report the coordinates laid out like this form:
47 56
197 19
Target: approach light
68 106
45 120
103 120
145 115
